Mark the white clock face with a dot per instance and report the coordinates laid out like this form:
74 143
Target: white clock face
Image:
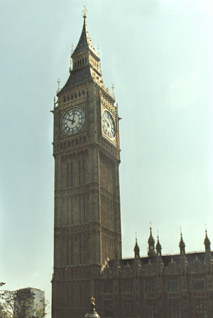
73 120
108 124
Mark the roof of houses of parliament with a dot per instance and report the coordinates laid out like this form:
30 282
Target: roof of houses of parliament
165 259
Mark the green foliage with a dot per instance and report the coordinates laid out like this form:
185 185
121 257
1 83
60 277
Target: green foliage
4 310
20 304
23 303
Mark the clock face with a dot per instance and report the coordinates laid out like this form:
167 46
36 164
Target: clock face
73 120
108 124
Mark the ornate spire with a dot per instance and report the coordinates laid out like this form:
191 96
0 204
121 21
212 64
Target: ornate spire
85 43
182 245
85 61
151 244
136 249
158 247
207 243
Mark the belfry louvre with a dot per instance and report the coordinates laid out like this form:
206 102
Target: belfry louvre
87 226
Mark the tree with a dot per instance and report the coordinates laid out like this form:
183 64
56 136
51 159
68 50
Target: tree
20 304
23 303
4 312
42 312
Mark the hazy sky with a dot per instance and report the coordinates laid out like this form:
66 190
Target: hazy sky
158 54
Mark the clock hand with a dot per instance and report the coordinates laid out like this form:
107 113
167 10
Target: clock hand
72 120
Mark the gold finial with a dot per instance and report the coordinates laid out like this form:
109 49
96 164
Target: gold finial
93 301
84 12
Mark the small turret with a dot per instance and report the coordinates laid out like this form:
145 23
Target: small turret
182 245
208 256
207 244
137 249
158 247
151 245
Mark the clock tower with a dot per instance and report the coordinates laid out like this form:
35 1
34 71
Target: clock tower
87 227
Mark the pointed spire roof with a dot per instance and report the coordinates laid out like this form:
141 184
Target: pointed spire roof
151 240
182 245
158 247
136 249
151 247
85 62
207 242
84 43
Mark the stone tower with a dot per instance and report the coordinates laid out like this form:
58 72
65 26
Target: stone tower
87 227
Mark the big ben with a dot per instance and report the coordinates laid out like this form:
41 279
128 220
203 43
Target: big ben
87 226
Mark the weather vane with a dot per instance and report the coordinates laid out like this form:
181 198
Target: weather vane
84 12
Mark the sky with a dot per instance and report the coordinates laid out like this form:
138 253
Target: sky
158 55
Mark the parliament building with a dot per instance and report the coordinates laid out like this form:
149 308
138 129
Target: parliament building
87 225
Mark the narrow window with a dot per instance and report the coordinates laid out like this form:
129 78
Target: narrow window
71 211
68 211
79 172
67 175
79 210
175 308
84 210
71 174
84 172
80 295
71 296
67 241
71 251
68 295
80 248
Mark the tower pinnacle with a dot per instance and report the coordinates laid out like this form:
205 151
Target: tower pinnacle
151 244
84 12
182 245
